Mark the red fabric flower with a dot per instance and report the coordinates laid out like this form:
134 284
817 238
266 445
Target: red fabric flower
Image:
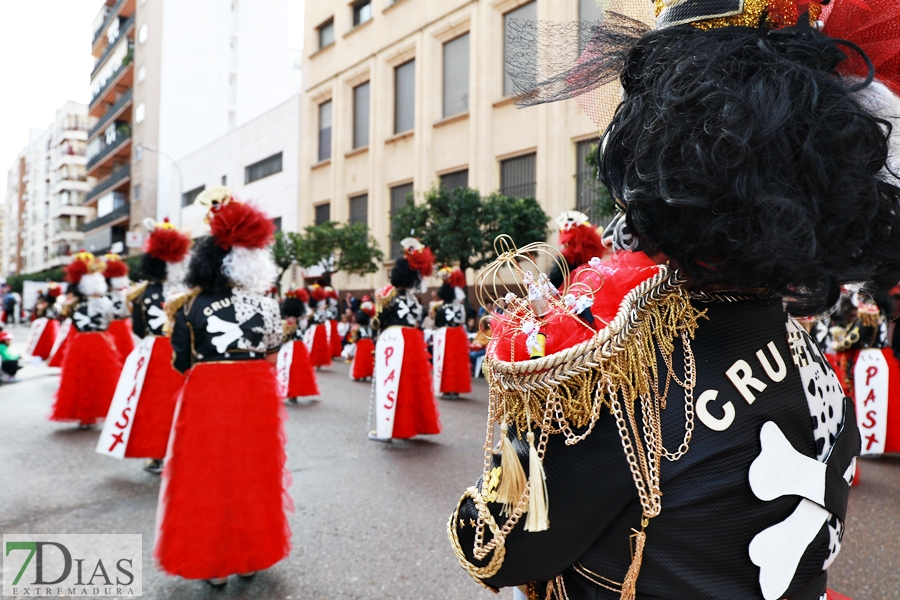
241 225
580 244
422 261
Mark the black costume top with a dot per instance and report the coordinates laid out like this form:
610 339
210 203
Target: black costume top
402 309
148 315
450 314
699 545
92 314
226 325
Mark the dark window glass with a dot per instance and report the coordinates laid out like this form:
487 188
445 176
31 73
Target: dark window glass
359 209
224 179
264 168
517 176
136 194
277 223
526 12
585 179
188 197
325 131
456 76
398 200
362 12
323 213
361 115
454 180
326 33
405 97
588 15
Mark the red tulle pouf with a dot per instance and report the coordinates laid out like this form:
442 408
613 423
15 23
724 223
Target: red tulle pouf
336 346
363 359
301 377
320 353
223 501
456 377
57 358
417 411
156 406
120 331
48 337
90 372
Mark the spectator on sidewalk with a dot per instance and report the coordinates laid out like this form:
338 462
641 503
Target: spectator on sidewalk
9 362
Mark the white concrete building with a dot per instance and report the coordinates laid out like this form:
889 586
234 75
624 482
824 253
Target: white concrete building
258 161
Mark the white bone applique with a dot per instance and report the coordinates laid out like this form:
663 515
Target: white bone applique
81 320
231 332
780 470
158 317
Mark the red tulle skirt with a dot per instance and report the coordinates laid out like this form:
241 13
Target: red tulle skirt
48 338
120 331
456 377
301 378
336 346
90 373
56 360
156 407
364 359
223 501
320 353
417 411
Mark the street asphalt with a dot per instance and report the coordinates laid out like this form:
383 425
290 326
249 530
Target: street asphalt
370 519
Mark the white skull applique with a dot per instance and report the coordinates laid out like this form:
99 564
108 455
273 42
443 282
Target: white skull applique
158 317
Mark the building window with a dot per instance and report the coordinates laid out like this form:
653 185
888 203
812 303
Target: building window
139 113
138 153
362 12
323 213
142 33
517 176
585 179
405 97
589 14
277 223
457 179
325 131
136 194
359 209
188 197
326 34
224 179
526 12
264 168
142 73
399 194
456 76
361 115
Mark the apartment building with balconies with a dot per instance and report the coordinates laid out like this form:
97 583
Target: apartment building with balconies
169 78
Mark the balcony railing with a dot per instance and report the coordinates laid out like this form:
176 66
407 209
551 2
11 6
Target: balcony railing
109 17
125 99
122 135
114 178
112 78
109 49
122 211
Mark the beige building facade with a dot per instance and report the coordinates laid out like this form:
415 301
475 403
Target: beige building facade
400 95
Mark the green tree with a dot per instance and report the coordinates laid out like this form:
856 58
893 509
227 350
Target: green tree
604 205
460 225
338 247
284 251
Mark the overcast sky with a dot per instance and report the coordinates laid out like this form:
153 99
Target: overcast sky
45 61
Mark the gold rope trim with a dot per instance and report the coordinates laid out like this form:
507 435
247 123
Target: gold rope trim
135 292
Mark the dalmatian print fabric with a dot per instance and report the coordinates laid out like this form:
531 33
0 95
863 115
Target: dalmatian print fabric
825 398
247 305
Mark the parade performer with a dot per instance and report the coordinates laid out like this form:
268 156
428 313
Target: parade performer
363 366
451 370
120 328
295 371
318 336
332 313
580 242
91 364
692 442
45 327
223 499
404 397
140 416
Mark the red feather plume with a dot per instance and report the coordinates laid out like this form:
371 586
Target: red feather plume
169 245
318 293
54 291
241 225
75 270
115 268
457 279
422 261
580 244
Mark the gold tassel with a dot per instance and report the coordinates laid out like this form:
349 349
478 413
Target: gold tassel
512 475
538 519
629 586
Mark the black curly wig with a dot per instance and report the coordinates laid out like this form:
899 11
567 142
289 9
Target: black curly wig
293 307
446 293
741 155
205 269
403 275
362 319
153 269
